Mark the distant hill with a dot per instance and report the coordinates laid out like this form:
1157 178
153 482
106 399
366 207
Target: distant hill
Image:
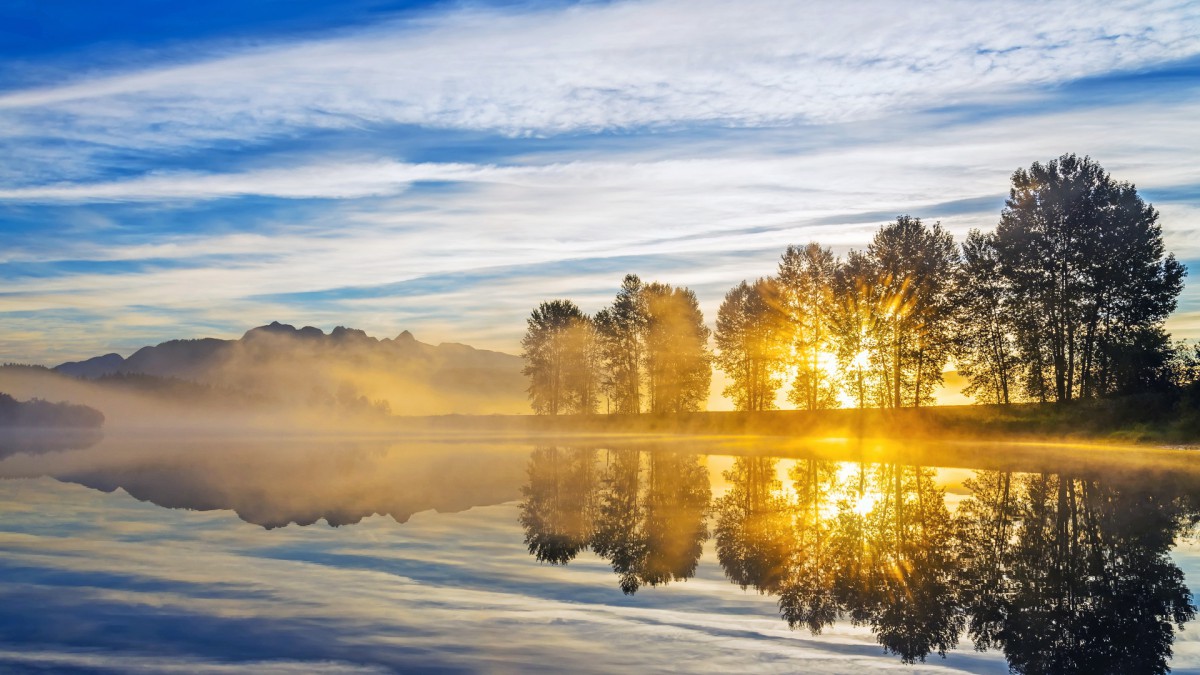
345 368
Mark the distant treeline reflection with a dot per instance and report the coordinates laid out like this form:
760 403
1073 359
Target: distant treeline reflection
1064 574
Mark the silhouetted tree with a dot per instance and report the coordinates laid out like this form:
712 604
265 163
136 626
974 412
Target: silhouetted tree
806 277
556 349
1085 258
985 323
678 363
914 263
751 342
855 326
620 329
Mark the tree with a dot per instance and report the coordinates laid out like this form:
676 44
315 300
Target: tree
854 324
914 265
1085 258
751 339
806 278
557 351
677 361
619 332
984 322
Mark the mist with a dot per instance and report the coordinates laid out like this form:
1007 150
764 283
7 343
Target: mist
281 378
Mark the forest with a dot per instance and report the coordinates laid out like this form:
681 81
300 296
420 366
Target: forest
1065 300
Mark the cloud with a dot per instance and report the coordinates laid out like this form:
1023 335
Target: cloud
692 155
617 65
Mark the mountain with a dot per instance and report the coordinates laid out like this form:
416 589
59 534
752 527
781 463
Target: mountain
345 368
94 367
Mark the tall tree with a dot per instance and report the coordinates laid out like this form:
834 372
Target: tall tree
855 326
751 342
555 349
1086 261
677 361
806 276
619 330
915 263
985 322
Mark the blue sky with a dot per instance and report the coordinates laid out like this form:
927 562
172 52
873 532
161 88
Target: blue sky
194 170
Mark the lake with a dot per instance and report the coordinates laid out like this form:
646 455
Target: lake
467 553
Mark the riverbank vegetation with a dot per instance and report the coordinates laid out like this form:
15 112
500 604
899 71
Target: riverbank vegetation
37 413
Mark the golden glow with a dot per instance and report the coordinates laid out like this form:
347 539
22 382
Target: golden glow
861 360
865 503
827 363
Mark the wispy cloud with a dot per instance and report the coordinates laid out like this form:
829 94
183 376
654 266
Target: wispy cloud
617 65
692 154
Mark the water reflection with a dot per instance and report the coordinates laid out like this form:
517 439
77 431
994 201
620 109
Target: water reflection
1064 573
276 482
642 511
1067 574
40 441
1062 567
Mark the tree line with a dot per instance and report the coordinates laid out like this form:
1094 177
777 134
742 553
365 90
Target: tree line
1064 300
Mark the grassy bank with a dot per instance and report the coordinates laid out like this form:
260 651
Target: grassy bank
1157 418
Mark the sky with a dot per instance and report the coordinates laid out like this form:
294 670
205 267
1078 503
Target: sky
173 170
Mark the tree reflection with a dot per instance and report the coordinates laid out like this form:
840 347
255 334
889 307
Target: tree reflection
644 512
897 564
1088 585
559 501
651 520
1063 573
807 596
753 527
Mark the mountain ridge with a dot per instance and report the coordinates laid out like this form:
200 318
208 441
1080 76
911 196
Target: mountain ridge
307 366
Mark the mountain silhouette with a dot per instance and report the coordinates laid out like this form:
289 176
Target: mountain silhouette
345 367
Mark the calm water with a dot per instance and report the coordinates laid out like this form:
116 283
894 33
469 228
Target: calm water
469 554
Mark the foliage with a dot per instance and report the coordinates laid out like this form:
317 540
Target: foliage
1065 300
1085 260
619 329
985 322
560 353
39 413
805 278
751 339
677 362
